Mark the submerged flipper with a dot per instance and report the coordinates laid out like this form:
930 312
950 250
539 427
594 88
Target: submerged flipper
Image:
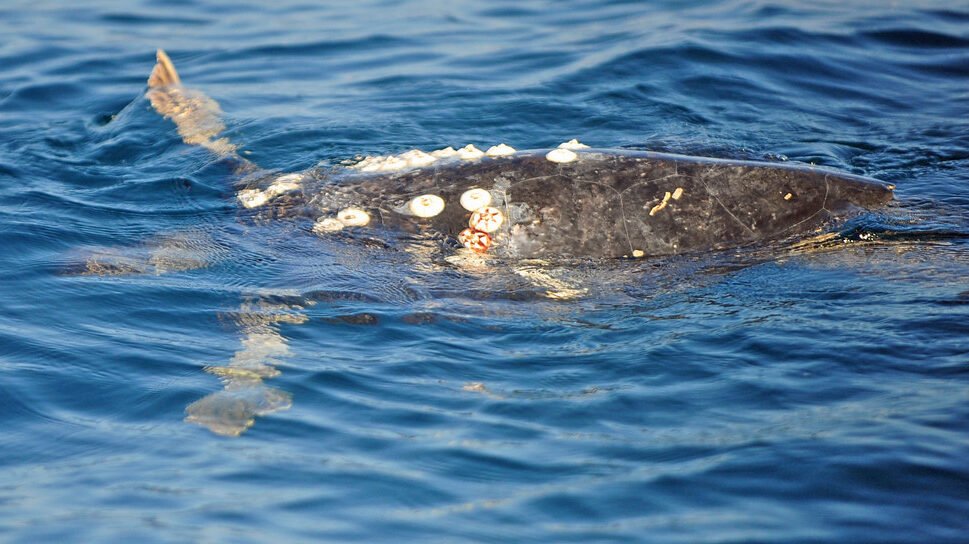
197 116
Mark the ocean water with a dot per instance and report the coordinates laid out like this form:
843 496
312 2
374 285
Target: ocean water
812 394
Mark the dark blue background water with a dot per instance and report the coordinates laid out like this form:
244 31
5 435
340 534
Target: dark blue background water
792 397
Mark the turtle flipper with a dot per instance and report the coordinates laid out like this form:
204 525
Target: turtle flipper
197 116
164 73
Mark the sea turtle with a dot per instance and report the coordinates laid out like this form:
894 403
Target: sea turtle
511 206
571 201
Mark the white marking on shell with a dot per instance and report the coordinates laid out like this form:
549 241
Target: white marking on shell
284 184
470 152
426 205
444 153
382 164
327 224
561 155
353 217
573 144
369 164
486 219
278 188
417 158
500 150
252 198
473 199
390 164
290 178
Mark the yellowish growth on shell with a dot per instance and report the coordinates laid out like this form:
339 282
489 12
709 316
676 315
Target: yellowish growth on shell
788 196
473 199
661 205
426 205
677 193
500 150
561 155
353 217
573 144
470 152
325 225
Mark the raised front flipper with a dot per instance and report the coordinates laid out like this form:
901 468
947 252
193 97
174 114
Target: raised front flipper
197 116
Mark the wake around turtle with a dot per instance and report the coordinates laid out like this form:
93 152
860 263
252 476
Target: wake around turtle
571 201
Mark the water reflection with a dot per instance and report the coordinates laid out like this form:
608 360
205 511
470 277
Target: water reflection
245 395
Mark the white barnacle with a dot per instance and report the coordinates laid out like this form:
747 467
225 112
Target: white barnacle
369 164
426 205
286 183
473 199
325 225
353 217
486 219
573 144
252 198
390 164
444 153
290 178
470 152
500 150
561 155
417 158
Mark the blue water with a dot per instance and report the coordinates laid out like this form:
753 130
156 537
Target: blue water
811 395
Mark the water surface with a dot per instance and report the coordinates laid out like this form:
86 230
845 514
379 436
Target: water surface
812 395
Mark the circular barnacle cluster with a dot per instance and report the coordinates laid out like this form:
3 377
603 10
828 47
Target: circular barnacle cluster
475 240
353 217
426 205
325 225
474 199
484 221
347 217
561 155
